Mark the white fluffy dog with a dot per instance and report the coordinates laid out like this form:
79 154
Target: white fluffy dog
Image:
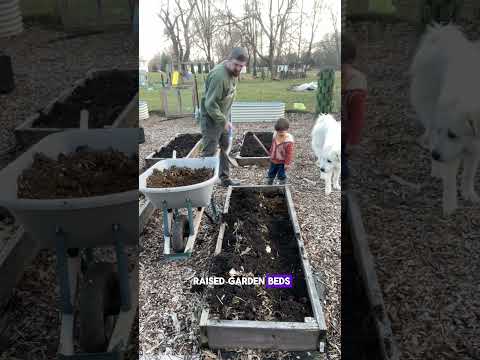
327 144
444 92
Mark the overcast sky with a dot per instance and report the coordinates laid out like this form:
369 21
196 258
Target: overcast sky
153 41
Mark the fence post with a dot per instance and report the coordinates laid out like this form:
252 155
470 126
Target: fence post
165 100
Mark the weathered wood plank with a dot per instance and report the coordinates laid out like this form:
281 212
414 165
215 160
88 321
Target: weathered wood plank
203 327
291 211
65 346
245 161
366 265
145 212
17 254
227 200
267 335
196 225
221 233
313 295
123 325
195 150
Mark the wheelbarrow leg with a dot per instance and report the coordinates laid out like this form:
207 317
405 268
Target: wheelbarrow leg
122 263
62 272
190 217
166 230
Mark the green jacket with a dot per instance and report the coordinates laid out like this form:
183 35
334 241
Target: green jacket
220 91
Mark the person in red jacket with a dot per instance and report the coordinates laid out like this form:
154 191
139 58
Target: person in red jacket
281 152
354 94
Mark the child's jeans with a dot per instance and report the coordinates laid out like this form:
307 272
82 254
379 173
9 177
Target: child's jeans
276 170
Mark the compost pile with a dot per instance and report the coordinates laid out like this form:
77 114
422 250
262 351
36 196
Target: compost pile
182 144
251 148
83 173
104 96
259 239
178 176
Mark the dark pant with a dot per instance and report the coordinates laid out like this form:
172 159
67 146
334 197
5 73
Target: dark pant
277 170
214 136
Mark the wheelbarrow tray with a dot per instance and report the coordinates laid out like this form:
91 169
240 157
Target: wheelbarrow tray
86 222
176 197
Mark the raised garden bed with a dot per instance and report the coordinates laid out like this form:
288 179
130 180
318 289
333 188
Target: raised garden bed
185 145
251 153
261 235
110 96
366 328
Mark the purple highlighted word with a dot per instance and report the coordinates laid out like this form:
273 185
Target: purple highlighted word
278 281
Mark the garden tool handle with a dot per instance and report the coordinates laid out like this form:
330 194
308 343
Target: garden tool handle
261 144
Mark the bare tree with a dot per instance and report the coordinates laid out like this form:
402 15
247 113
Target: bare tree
251 32
205 21
273 27
316 10
243 31
177 28
300 33
336 31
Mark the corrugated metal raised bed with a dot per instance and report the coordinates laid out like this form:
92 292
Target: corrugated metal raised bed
289 318
101 93
251 153
257 111
185 145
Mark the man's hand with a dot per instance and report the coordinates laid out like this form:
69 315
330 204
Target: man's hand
287 166
228 126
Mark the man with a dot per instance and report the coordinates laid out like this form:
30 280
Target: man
215 106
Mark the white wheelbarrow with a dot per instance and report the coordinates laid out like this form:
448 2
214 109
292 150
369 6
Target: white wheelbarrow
172 199
70 225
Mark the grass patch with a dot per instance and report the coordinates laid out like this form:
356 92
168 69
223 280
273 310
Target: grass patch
249 89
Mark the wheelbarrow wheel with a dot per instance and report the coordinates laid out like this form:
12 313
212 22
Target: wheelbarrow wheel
99 299
181 230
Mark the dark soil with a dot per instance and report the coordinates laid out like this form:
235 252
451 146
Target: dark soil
359 336
176 176
262 219
182 144
251 148
104 96
83 173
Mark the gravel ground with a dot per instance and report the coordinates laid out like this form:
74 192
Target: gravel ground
427 264
29 326
170 309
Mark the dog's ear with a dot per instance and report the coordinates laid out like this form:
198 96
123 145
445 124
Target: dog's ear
474 124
